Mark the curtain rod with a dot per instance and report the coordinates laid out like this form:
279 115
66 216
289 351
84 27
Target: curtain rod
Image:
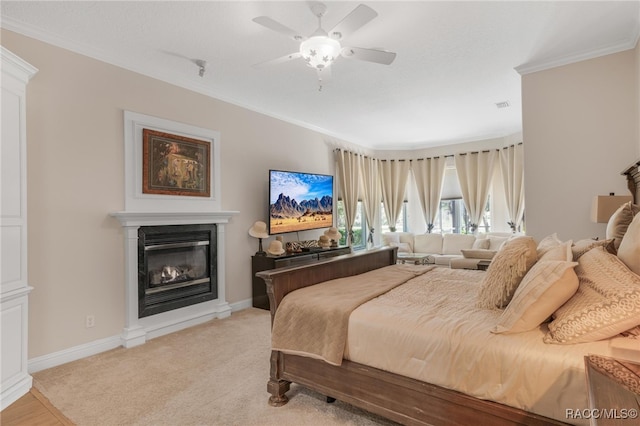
436 156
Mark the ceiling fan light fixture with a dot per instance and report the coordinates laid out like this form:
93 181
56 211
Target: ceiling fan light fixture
320 51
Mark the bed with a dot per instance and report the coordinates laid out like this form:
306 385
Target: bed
420 350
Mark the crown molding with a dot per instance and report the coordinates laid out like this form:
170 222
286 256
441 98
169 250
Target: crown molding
535 66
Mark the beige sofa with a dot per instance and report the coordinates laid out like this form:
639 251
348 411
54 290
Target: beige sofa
458 251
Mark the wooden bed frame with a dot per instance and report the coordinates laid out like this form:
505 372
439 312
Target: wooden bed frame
401 399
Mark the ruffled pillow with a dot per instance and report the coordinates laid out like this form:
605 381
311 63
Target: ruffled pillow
510 264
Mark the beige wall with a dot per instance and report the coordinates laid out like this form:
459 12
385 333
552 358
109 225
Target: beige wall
75 178
580 130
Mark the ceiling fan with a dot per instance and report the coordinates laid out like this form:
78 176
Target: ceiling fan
322 48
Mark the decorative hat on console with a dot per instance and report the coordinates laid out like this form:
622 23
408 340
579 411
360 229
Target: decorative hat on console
275 248
324 241
259 230
333 233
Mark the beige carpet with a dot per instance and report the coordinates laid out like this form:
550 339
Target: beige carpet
212 374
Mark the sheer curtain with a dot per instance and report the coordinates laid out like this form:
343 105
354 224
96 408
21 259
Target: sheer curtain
428 174
475 170
348 168
393 174
512 168
370 189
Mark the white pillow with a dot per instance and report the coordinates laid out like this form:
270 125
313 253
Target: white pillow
546 287
560 252
547 243
629 250
481 243
496 242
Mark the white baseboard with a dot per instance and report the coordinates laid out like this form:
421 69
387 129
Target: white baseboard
102 345
12 393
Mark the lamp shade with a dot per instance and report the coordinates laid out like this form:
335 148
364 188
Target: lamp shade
605 205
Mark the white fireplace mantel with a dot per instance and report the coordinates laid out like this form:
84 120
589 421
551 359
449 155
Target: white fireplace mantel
137 330
136 218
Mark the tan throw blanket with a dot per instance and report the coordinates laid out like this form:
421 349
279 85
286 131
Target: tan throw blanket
313 321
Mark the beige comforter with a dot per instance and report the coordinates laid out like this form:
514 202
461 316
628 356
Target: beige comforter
313 321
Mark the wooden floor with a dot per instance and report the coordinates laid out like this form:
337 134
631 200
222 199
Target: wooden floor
33 409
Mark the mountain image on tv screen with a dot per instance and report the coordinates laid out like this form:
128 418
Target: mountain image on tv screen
299 201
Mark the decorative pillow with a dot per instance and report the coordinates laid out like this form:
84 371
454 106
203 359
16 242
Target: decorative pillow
582 246
629 250
546 287
402 247
481 244
390 237
560 252
478 254
619 222
496 242
606 304
508 267
547 243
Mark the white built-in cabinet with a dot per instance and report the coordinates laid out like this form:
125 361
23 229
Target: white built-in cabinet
14 290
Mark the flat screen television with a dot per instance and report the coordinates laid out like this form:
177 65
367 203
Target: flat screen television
299 201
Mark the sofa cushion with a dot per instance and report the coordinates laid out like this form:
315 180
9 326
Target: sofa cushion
454 243
428 243
463 263
402 247
478 254
444 259
398 237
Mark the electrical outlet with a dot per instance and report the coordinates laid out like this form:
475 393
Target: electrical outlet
90 321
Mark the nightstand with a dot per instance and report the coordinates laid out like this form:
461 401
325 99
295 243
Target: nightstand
614 390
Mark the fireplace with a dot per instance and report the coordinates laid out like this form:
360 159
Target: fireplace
177 267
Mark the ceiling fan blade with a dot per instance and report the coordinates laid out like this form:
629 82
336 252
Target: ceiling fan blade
352 22
279 60
276 26
370 55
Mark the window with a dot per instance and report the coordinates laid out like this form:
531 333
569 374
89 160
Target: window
454 219
359 227
400 224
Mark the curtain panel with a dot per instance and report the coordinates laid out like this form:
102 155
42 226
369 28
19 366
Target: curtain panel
475 170
512 169
428 174
393 175
371 192
348 168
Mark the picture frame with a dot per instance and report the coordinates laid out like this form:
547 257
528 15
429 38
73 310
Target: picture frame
175 165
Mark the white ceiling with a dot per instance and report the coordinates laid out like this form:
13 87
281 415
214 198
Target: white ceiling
455 60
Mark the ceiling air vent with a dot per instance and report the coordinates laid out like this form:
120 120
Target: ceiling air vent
504 104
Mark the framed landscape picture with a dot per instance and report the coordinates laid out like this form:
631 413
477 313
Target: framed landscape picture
175 165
